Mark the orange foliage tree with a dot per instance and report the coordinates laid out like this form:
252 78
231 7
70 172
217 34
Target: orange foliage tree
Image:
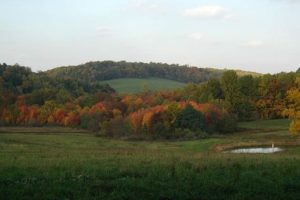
293 110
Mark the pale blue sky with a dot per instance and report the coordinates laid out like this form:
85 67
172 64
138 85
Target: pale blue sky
254 35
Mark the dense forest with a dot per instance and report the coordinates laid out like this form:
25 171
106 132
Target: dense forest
73 97
106 70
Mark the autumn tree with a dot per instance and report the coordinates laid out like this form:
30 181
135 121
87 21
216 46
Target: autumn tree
272 93
136 120
72 119
173 110
46 112
293 110
1 92
10 115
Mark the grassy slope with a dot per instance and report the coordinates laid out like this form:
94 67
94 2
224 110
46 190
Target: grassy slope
81 166
133 85
239 72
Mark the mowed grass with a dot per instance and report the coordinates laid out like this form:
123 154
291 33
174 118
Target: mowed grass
135 85
275 124
82 166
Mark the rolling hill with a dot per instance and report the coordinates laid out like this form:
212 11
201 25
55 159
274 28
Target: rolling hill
133 76
107 70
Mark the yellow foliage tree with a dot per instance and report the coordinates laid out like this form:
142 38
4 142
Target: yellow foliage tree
293 108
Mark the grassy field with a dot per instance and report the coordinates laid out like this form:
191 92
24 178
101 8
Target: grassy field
55 165
134 85
275 124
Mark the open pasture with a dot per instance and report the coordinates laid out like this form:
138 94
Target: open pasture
79 165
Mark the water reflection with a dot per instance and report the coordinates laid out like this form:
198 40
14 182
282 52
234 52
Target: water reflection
257 150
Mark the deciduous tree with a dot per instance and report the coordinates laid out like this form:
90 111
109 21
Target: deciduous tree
293 110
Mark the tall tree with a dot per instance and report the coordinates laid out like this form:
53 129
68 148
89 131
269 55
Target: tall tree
215 89
231 89
293 110
248 86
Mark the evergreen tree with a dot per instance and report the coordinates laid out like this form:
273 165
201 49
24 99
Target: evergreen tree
189 118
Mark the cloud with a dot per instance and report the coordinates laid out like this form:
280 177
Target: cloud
288 1
253 44
143 5
208 12
196 36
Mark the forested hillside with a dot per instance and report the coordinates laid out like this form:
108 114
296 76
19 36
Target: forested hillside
107 70
38 88
67 99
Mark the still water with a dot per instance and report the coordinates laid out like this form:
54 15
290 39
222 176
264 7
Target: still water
257 150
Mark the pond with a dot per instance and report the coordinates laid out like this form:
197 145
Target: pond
257 150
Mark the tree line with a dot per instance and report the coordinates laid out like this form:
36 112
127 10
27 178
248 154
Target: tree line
107 70
38 99
252 98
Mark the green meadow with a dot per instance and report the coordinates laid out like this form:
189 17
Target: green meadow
58 163
134 85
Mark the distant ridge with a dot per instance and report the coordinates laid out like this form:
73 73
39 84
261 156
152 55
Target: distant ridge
108 70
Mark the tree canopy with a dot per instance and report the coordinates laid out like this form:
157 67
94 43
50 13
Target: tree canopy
72 96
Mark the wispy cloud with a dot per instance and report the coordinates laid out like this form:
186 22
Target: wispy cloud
143 5
208 12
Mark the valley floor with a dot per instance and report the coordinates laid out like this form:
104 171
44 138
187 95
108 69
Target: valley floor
57 163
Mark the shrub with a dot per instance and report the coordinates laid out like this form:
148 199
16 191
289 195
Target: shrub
226 124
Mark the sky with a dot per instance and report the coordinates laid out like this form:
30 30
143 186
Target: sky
252 35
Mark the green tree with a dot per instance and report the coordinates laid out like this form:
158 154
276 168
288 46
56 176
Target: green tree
189 118
62 96
231 89
248 86
191 92
248 90
215 89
